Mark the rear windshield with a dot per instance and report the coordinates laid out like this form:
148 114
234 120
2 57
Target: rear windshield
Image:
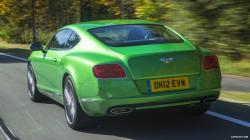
130 35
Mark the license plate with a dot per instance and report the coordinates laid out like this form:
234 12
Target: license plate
168 84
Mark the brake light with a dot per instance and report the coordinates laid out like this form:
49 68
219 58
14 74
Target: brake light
108 71
210 62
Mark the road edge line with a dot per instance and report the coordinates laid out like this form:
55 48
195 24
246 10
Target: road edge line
7 132
4 134
228 118
19 58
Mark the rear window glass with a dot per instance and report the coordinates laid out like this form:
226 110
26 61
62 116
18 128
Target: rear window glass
129 35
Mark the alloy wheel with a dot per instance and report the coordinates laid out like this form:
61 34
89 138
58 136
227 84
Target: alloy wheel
70 104
31 83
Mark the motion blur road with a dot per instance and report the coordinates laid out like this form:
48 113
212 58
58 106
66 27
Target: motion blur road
236 83
46 121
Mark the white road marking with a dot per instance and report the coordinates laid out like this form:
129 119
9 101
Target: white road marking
12 133
19 58
3 132
228 118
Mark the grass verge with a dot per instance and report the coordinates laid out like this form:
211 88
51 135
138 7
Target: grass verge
228 66
235 96
14 48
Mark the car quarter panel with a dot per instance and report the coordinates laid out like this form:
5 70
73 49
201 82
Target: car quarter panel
80 65
209 79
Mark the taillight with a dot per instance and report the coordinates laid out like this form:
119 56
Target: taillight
210 62
108 71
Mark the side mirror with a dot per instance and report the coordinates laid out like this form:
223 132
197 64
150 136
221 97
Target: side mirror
36 46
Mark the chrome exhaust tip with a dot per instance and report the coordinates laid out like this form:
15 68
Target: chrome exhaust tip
120 110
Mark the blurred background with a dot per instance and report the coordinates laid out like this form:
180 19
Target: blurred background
221 26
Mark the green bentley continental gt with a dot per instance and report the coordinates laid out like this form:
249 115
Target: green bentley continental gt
116 67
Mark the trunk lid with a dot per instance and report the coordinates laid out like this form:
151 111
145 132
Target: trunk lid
147 62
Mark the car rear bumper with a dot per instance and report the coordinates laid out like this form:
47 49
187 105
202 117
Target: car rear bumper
103 107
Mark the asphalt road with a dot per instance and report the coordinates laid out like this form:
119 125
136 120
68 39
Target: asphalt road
46 121
236 83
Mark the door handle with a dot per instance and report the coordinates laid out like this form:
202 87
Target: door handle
54 60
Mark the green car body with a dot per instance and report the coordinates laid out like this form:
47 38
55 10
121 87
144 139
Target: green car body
141 63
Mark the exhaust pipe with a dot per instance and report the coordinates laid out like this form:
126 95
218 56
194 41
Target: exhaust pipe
209 100
121 110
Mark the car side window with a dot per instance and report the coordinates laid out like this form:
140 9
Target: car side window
59 40
73 40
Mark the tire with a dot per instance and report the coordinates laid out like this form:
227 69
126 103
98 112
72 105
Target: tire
75 116
34 94
197 110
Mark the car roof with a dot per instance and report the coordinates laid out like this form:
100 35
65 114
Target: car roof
102 23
